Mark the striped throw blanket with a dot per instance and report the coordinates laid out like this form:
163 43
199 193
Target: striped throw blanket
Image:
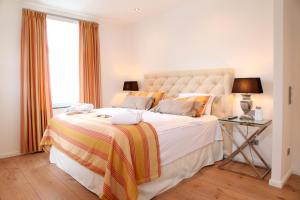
125 155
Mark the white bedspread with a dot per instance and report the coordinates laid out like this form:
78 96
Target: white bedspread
178 135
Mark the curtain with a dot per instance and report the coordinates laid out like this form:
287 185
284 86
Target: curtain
89 60
36 107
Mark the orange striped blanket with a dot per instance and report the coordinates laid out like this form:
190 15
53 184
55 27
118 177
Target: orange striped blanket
125 155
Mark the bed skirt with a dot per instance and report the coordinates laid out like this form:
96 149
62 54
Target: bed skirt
171 174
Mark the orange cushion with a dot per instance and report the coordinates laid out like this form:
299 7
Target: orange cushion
201 99
157 96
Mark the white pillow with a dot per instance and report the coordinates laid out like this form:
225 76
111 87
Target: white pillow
208 106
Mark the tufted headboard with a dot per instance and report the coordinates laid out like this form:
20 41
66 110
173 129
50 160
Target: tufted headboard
209 81
212 81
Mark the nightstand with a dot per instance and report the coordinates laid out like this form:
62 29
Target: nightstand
248 142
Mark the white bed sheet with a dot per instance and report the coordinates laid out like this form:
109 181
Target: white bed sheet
177 135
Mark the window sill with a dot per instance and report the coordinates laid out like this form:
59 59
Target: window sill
61 106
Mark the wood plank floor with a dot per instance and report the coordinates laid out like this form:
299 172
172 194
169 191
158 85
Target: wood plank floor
31 177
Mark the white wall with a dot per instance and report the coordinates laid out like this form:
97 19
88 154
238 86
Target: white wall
296 92
292 69
116 59
215 33
286 73
278 127
10 15
114 53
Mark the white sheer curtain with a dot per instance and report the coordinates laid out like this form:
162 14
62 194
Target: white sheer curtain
63 44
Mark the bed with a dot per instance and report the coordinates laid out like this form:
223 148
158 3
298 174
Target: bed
186 144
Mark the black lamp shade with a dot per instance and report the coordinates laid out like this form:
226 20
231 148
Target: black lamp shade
130 86
247 85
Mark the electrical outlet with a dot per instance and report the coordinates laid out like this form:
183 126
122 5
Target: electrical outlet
288 151
255 142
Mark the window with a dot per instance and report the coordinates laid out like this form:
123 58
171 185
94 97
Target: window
63 44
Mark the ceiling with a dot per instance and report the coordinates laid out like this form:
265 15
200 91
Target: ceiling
128 11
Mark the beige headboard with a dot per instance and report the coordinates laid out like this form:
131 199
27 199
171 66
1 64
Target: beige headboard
210 81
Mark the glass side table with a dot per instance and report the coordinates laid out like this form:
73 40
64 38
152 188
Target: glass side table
248 142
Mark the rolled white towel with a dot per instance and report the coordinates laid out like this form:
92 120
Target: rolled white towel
127 117
81 108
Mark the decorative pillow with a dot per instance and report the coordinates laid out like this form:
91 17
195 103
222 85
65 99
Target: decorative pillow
157 96
208 106
201 99
175 107
118 99
137 102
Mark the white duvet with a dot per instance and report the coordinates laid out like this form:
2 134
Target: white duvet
177 135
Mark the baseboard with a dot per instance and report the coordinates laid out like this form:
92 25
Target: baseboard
296 172
280 183
10 154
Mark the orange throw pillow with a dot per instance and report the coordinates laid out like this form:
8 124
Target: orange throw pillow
201 99
157 96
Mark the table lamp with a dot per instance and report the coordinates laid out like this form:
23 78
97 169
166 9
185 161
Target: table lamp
246 87
130 86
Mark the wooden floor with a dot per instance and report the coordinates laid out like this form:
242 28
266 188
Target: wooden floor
32 177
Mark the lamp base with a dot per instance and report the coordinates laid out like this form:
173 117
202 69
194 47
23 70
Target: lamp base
246 105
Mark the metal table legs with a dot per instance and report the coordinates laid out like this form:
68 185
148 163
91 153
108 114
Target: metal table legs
247 143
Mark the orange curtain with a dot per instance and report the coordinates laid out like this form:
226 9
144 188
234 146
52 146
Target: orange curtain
36 107
89 59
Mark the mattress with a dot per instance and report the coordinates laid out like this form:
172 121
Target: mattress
186 145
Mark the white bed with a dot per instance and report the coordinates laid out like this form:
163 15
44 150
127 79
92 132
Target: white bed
186 144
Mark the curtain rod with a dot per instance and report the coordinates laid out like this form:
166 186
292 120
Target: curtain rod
62 16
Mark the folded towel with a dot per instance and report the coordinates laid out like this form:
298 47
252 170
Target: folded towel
127 117
80 108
